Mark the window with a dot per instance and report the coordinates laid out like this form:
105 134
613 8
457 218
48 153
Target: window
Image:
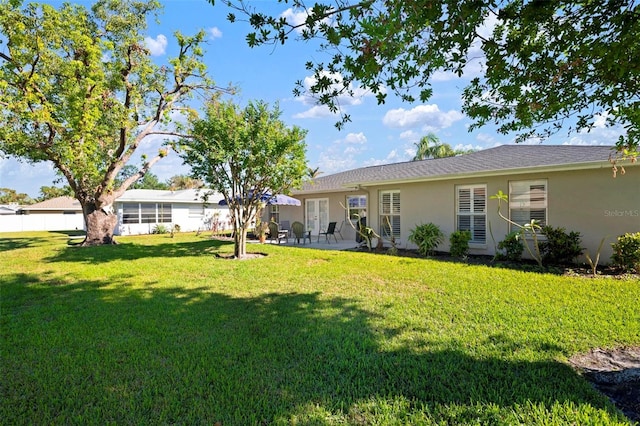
196 211
146 213
274 213
356 207
528 201
471 211
131 213
164 213
390 214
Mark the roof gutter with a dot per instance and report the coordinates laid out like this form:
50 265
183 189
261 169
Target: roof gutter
490 173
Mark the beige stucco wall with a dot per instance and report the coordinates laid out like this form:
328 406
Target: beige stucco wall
591 202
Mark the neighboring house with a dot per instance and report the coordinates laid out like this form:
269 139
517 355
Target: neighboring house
562 186
9 209
56 214
141 210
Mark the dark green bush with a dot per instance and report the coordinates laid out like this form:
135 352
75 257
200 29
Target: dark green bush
512 246
427 237
459 241
626 252
560 247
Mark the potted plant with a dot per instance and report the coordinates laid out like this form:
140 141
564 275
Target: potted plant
261 229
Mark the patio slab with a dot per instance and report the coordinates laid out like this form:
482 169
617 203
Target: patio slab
322 245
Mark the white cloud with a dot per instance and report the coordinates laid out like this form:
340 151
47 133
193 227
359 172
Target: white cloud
467 147
308 98
298 18
428 116
318 111
356 138
486 139
27 178
332 161
214 32
157 46
392 157
343 100
410 136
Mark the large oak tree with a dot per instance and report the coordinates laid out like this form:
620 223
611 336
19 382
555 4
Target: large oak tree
547 65
247 154
79 88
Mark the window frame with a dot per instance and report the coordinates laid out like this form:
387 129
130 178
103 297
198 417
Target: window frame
146 213
274 213
528 201
358 208
473 213
130 213
394 213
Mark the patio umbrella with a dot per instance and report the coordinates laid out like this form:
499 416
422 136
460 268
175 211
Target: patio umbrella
276 200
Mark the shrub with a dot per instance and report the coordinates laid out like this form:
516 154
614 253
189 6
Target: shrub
427 237
512 246
560 247
626 252
459 241
159 229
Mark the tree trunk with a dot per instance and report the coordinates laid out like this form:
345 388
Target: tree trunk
100 223
240 240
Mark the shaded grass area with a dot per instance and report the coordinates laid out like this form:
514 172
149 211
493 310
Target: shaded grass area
158 330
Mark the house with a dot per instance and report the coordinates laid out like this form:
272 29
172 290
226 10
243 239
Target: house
562 186
55 214
9 209
140 211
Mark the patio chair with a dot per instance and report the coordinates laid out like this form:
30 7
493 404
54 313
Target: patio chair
299 233
276 234
331 230
284 226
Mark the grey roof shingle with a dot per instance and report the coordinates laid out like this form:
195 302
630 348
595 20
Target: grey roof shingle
505 159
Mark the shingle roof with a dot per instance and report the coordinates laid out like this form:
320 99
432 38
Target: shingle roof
505 159
58 203
161 196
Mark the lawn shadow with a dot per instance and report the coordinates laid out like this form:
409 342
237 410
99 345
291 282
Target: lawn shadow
42 238
132 251
108 353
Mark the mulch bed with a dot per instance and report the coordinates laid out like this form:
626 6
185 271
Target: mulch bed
524 265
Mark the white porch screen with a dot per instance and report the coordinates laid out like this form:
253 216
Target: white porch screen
527 202
471 211
390 214
146 213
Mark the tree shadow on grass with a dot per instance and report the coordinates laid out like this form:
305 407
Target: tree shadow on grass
132 251
103 352
41 238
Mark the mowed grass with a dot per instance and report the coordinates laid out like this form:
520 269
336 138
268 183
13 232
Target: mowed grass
158 330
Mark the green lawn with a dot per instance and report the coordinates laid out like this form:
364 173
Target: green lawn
158 330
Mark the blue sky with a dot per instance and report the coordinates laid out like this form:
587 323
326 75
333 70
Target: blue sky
377 134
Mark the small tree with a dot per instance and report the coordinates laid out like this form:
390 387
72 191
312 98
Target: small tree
245 155
532 228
